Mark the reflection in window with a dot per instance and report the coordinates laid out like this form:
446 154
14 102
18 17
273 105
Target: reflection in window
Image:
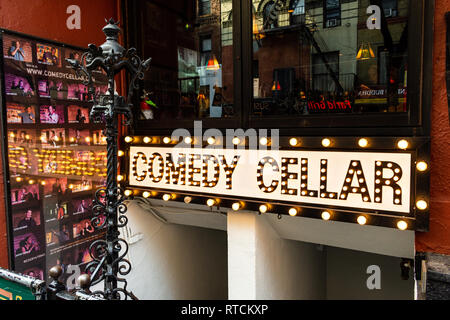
328 61
390 8
270 16
332 13
204 7
322 78
205 49
297 10
192 74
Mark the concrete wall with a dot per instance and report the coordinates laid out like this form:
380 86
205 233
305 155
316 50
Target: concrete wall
261 265
174 261
286 269
241 257
371 239
251 260
347 276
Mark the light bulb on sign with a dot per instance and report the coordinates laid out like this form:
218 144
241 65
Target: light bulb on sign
293 142
264 141
326 142
422 166
147 140
403 144
326 215
211 140
128 193
402 225
362 220
146 194
363 143
421 205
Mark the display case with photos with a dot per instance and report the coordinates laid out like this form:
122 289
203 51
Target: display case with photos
56 155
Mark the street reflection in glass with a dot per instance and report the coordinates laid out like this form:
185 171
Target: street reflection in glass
192 69
324 57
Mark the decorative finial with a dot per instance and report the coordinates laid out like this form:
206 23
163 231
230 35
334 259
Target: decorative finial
85 281
111 31
55 272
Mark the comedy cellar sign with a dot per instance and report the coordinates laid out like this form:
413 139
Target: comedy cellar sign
370 186
347 179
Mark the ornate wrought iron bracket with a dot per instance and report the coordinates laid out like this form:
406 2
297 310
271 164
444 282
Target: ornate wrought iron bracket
108 256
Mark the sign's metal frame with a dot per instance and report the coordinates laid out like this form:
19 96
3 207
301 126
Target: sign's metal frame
419 148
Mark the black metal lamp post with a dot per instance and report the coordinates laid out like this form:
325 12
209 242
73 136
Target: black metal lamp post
108 262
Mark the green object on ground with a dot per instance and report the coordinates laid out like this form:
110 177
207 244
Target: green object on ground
14 291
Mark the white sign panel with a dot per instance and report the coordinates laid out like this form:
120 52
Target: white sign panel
360 180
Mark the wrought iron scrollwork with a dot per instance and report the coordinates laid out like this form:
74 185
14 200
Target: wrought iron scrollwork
108 255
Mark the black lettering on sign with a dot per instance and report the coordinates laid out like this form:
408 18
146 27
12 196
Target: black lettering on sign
215 180
134 167
260 175
192 170
175 174
286 175
151 167
392 182
324 193
355 168
229 169
304 191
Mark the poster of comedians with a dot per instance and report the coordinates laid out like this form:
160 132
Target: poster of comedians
56 157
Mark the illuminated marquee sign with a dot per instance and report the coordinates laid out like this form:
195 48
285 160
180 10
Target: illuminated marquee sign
356 180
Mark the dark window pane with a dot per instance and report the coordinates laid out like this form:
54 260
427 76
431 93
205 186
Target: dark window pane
204 7
332 4
390 8
192 66
332 13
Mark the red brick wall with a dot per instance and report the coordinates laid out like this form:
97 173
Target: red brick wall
47 19
438 238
